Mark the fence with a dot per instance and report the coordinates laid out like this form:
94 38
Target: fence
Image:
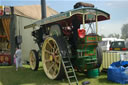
112 56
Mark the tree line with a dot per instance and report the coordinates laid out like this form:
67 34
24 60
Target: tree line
124 33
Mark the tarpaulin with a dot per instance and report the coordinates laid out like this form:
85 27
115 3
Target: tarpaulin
118 72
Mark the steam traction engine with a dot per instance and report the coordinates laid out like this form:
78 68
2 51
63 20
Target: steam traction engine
68 41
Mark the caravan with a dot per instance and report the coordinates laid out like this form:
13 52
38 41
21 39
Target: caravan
105 44
118 45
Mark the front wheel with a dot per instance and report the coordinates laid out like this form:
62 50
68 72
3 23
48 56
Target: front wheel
34 60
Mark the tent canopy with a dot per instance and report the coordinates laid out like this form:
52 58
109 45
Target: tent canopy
33 11
29 11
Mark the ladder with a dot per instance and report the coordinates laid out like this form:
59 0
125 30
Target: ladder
69 71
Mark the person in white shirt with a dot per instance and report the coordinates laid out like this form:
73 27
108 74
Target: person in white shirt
18 55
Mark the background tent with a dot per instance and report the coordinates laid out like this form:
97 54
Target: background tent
14 26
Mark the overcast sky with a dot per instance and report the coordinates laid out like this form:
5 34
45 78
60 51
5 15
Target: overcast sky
118 10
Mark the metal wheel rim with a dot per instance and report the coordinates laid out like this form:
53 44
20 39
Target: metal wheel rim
51 58
32 60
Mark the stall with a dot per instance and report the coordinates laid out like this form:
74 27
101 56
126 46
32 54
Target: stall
12 33
5 56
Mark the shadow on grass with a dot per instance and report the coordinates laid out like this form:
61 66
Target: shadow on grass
103 79
99 80
81 76
25 76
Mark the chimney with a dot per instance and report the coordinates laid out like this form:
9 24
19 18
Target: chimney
12 10
43 9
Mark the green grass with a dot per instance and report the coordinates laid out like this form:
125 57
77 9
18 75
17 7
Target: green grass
25 76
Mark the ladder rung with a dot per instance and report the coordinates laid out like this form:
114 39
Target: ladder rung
66 62
71 76
73 82
68 66
64 57
69 71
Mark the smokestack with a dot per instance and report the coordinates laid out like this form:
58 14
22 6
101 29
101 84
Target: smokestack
43 9
12 10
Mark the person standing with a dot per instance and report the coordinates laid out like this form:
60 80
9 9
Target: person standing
18 55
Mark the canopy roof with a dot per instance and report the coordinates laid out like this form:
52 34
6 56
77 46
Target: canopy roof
33 11
67 16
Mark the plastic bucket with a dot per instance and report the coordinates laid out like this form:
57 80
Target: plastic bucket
93 73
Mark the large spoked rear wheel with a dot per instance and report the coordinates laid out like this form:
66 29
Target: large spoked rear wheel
52 57
34 60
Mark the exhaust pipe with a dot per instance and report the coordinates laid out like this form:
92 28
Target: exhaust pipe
12 10
43 9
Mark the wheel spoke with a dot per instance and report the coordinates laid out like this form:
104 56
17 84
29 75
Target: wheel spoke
55 47
57 56
33 63
50 45
33 59
47 60
48 51
51 67
56 69
57 61
57 50
31 56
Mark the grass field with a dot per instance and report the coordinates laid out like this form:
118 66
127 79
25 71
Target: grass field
25 76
